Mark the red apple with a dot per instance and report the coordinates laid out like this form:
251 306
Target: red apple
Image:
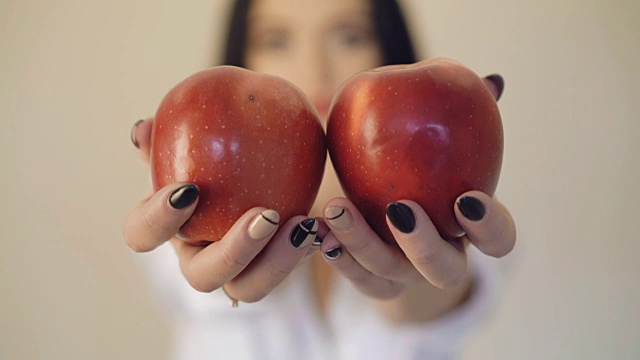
426 132
245 139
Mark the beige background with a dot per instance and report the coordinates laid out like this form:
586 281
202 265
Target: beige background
75 75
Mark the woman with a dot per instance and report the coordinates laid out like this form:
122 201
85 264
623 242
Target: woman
362 298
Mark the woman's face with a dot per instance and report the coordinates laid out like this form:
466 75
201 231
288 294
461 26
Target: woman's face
316 44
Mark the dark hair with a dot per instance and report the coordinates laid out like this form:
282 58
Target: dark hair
389 23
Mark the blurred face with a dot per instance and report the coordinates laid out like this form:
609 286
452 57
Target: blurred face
316 44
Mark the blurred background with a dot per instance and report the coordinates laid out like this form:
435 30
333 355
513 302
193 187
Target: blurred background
75 75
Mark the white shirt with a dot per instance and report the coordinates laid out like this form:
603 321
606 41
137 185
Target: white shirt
286 325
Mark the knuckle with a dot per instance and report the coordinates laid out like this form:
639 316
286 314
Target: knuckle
277 271
231 259
425 258
153 224
359 247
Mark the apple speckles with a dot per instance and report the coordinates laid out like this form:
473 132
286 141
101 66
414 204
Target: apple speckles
251 97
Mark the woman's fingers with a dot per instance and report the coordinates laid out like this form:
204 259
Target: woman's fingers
158 218
207 268
141 137
365 281
279 258
357 237
440 262
487 222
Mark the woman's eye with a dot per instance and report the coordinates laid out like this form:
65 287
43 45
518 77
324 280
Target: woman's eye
272 41
352 38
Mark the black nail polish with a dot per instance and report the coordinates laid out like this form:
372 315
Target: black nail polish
133 133
304 232
318 240
401 217
498 81
472 208
334 253
184 196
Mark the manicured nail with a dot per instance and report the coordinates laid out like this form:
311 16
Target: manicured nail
304 233
264 224
401 217
133 133
318 240
472 208
334 253
184 196
498 82
338 217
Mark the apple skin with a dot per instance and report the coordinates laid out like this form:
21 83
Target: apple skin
426 132
245 139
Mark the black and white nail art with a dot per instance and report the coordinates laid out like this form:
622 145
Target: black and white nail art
318 240
304 233
334 253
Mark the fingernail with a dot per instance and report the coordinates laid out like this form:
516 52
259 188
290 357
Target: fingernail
184 196
401 217
472 208
304 233
334 253
133 133
318 240
498 82
264 224
338 217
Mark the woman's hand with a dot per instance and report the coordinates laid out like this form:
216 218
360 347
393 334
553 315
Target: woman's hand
423 263
384 271
253 257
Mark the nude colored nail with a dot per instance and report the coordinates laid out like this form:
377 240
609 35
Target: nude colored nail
264 224
338 217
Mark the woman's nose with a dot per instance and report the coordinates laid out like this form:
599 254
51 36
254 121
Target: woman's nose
314 71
